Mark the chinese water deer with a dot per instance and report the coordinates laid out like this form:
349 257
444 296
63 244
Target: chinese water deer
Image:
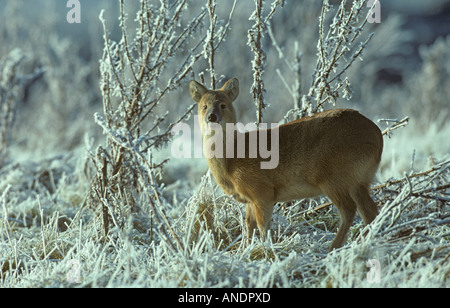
334 153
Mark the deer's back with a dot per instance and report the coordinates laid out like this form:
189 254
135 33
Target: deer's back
340 146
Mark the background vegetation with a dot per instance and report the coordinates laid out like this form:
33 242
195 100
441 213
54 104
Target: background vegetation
89 193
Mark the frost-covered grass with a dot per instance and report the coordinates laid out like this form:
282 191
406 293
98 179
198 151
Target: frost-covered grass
180 230
49 240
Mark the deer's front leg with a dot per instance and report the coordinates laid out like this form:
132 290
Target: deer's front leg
263 214
250 220
258 217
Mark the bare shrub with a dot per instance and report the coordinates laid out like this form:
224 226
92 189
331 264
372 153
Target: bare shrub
137 75
134 82
338 47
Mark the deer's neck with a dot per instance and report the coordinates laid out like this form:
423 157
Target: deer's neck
214 149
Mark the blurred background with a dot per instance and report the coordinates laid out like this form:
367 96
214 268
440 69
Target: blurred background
405 72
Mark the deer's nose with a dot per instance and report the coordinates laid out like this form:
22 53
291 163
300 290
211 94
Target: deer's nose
212 118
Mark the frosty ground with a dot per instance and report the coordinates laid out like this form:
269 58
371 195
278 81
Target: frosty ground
53 235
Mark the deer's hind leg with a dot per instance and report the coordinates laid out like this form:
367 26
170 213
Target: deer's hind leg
367 208
347 210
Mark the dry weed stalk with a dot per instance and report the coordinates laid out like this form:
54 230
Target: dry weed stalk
215 37
255 36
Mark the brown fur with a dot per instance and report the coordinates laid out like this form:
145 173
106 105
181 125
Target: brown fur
334 153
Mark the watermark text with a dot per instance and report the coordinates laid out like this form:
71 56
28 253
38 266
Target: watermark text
374 274
374 15
235 141
74 14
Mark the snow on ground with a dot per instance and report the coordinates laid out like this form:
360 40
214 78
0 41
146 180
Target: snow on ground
50 236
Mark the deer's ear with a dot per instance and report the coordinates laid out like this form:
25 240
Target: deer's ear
197 90
231 88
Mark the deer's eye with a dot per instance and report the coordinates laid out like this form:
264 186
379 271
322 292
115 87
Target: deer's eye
205 107
223 106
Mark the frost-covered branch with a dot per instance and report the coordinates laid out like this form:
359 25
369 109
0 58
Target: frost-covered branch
396 124
215 36
410 205
334 47
295 90
337 50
